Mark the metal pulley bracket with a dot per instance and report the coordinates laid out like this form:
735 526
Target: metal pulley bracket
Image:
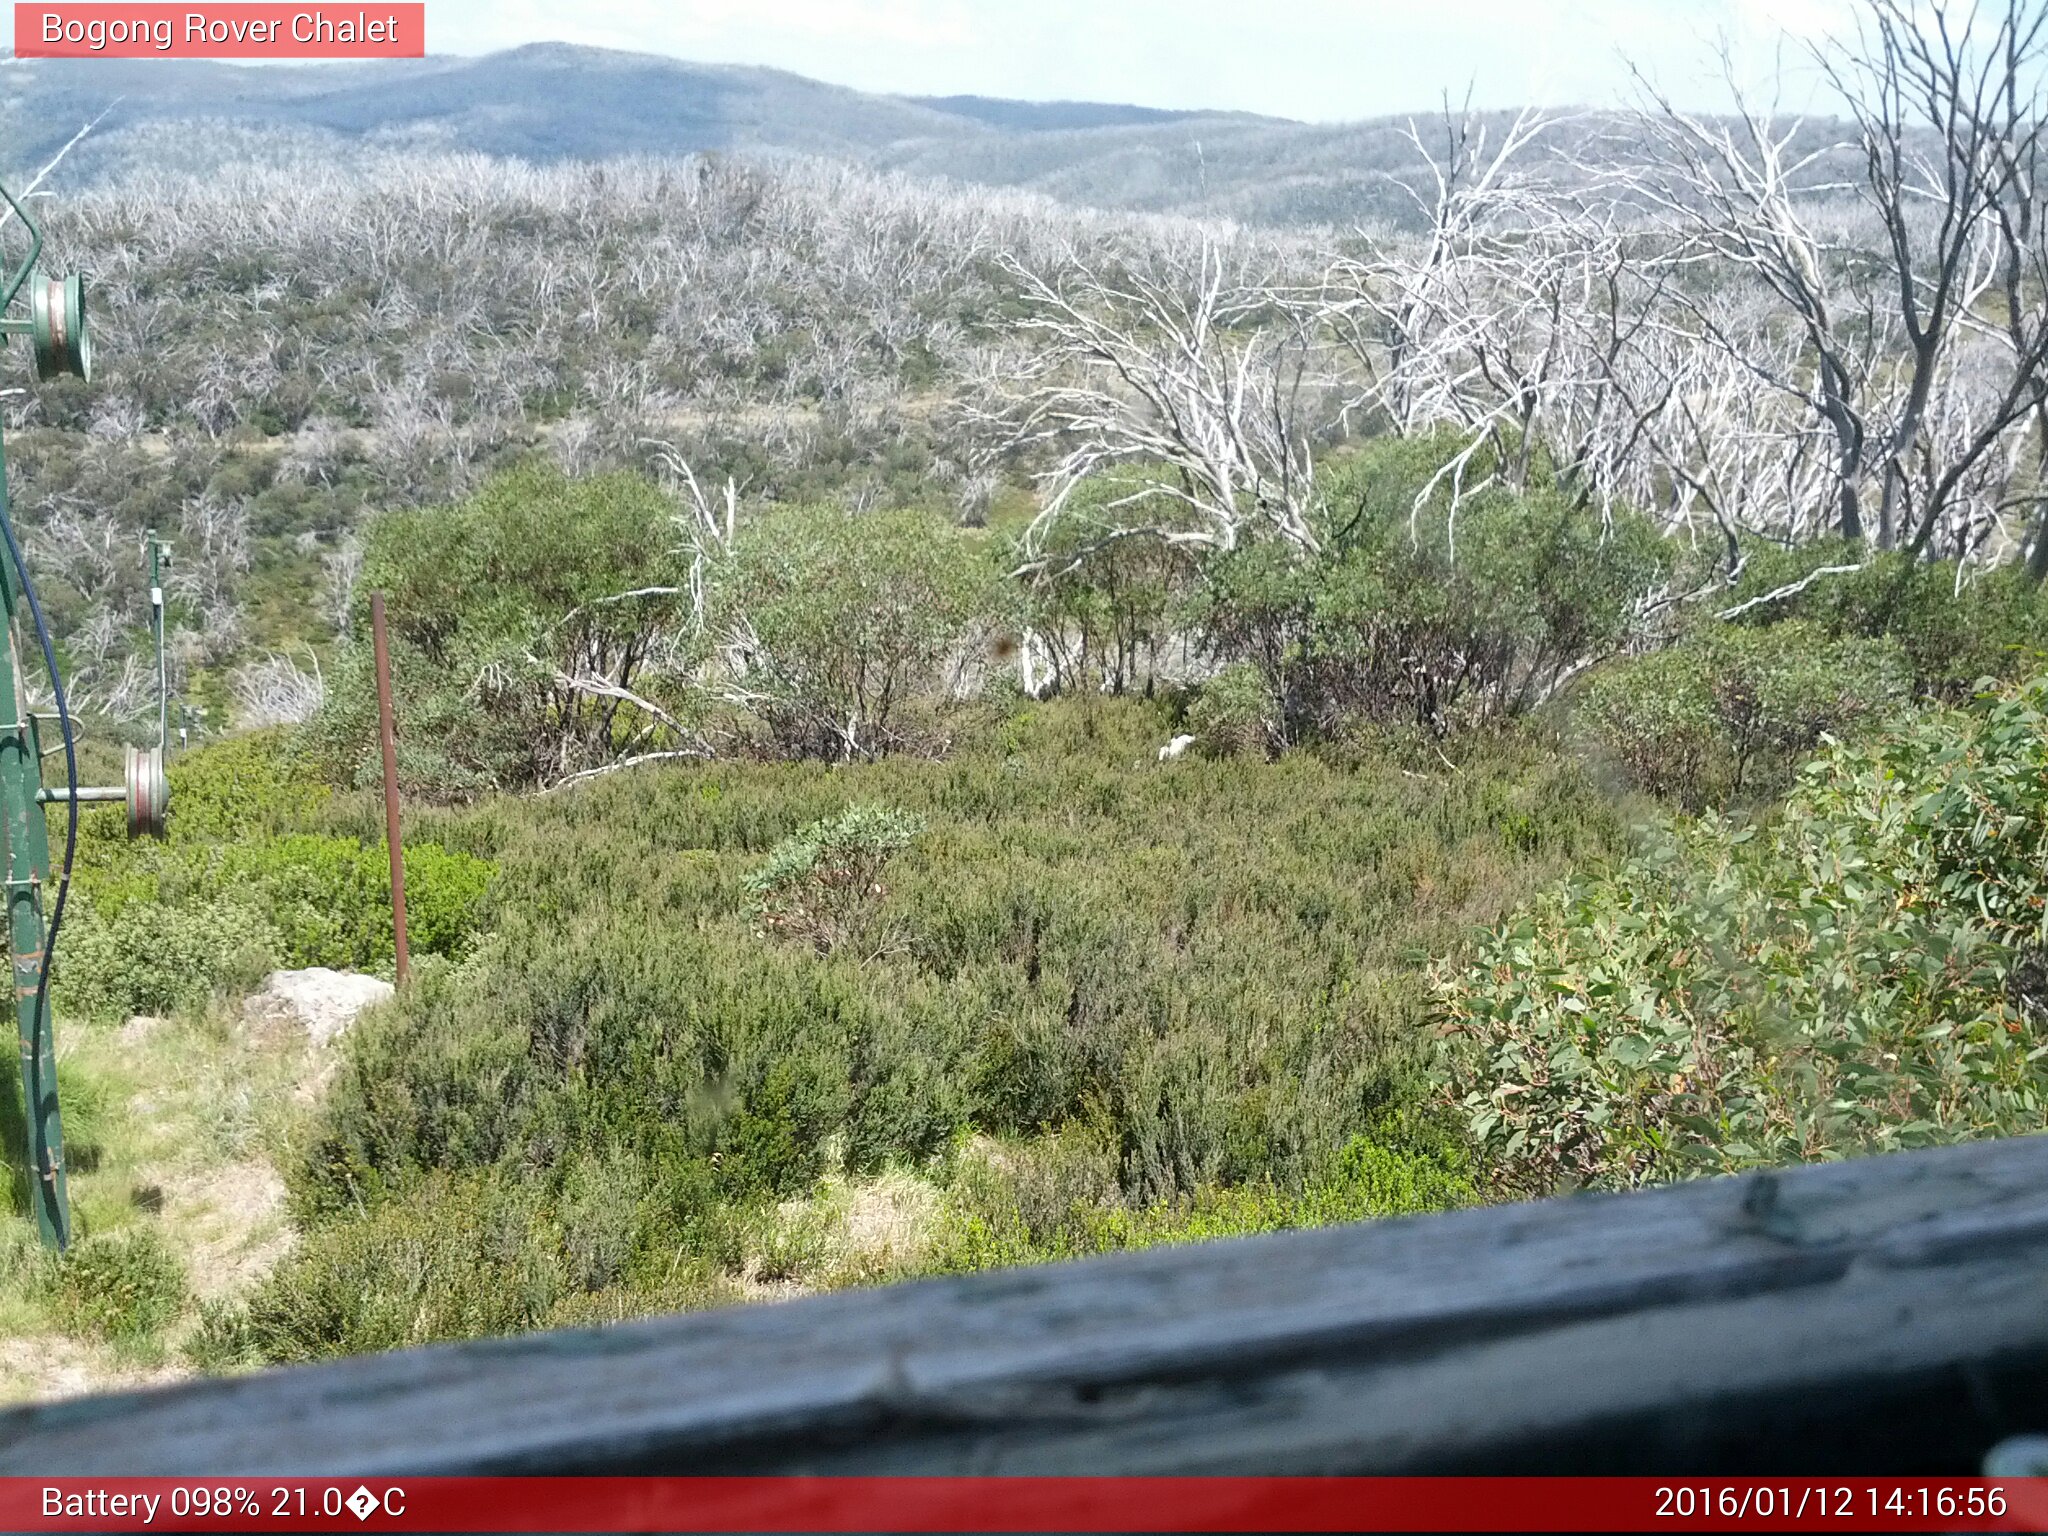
149 792
58 328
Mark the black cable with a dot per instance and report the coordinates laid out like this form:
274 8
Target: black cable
35 608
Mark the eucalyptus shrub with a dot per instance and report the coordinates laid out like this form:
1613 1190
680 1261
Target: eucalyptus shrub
1103 604
1233 713
846 630
1421 611
520 618
821 885
1853 977
1953 627
1729 711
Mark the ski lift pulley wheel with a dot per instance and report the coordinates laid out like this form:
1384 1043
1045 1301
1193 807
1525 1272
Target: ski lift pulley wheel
63 342
149 792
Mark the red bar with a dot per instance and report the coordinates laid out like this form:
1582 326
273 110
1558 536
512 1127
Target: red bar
349 29
1024 1504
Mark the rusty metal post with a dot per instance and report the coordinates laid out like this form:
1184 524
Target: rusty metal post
389 734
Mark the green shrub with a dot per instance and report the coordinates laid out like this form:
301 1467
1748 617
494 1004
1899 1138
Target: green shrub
238 787
496 607
187 919
1209 974
1731 710
1103 605
1953 627
125 1286
820 885
1058 1199
1851 978
220 1340
1416 612
692 1289
600 1211
1372 1179
1232 713
158 958
455 1259
445 897
330 897
774 1145
794 1245
480 1254
240 886
849 623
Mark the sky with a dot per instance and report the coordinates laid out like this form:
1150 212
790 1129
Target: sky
1321 60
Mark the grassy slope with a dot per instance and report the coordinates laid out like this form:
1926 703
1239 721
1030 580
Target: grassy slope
1101 1002
175 1127
1104 1002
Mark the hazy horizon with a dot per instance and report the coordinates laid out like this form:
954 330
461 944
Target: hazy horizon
1311 60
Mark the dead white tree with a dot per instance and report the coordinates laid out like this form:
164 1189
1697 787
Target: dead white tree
276 690
708 528
1942 245
1406 310
1946 103
1193 375
1739 195
32 187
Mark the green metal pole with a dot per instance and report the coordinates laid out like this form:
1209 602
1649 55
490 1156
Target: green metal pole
25 834
156 605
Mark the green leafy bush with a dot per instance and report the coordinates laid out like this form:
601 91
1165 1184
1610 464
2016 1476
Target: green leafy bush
330 897
1731 710
219 1341
1419 612
1851 978
184 920
1103 604
848 624
1059 1199
501 609
820 886
455 1259
1210 972
240 887
125 1286
1232 713
237 788
157 958
1954 627
774 1142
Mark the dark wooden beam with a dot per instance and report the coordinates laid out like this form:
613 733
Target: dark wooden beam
1884 1315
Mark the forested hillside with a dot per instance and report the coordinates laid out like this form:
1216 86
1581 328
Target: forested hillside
943 730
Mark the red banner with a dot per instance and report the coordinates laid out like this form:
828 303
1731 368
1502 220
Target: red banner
99 31
1024 1504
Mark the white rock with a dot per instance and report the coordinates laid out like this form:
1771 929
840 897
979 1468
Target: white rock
1175 748
323 1003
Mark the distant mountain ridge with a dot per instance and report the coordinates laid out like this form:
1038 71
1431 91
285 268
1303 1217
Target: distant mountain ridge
557 101
1050 116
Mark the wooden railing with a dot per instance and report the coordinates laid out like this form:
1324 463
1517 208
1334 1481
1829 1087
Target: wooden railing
1885 1316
